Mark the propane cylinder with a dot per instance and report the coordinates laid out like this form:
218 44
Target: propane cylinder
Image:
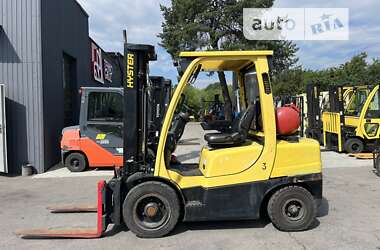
287 119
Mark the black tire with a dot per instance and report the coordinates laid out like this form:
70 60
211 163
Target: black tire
162 202
76 162
292 209
354 146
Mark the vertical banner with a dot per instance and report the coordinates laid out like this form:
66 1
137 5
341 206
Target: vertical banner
97 63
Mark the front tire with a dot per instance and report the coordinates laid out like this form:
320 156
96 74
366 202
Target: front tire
354 146
76 162
292 208
151 209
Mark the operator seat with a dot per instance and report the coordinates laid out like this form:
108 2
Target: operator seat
238 135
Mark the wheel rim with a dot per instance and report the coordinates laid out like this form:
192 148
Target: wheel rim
293 210
74 163
355 147
151 212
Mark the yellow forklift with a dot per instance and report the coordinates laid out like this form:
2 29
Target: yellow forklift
241 175
354 96
352 122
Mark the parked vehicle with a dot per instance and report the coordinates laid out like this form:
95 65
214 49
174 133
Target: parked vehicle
98 139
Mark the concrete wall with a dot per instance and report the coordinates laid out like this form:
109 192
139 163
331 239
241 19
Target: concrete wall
21 72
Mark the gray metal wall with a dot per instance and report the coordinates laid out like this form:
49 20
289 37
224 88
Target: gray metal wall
64 30
21 72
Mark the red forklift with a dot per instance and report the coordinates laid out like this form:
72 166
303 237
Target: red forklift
98 139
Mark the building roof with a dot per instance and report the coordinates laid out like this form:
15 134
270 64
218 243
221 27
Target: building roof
80 6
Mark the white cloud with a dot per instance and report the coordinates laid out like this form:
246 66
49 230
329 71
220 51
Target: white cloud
108 18
364 33
143 21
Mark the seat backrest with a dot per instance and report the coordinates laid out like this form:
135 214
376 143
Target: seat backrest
246 120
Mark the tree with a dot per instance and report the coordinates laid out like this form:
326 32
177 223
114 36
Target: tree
289 82
195 95
192 98
374 72
213 89
357 71
217 25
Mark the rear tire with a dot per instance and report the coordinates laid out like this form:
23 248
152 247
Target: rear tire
292 208
76 162
151 209
354 146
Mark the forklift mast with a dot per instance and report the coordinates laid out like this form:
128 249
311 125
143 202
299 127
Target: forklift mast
313 106
160 94
336 99
333 119
314 114
167 92
136 59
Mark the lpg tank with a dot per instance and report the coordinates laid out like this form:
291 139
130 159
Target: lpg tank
287 119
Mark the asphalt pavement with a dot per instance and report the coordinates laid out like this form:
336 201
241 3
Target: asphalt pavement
349 216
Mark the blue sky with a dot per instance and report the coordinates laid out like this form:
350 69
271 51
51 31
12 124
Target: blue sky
143 21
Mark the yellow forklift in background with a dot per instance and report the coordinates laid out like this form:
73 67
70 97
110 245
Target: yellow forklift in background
353 96
352 122
241 175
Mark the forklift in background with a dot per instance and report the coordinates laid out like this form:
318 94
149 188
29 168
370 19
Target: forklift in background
283 100
340 122
352 127
213 117
241 175
98 139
